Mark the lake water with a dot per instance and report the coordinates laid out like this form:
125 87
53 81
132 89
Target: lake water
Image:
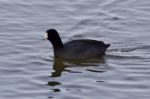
28 69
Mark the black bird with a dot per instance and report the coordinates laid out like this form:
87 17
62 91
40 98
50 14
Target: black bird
75 49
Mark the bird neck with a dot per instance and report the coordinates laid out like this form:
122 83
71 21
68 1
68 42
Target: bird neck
57 43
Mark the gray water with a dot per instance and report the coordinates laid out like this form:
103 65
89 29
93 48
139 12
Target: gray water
28 69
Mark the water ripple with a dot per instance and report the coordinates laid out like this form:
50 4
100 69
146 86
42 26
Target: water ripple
29 69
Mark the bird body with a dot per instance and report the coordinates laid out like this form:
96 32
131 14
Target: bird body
76 49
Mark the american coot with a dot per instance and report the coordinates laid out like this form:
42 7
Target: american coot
75 49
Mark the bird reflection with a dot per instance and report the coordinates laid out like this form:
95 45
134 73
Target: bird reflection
60 65
53 83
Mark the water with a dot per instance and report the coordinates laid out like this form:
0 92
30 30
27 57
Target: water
29 71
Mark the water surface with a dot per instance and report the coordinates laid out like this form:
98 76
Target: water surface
29 71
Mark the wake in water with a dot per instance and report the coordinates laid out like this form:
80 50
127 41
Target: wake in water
130 49
132 52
